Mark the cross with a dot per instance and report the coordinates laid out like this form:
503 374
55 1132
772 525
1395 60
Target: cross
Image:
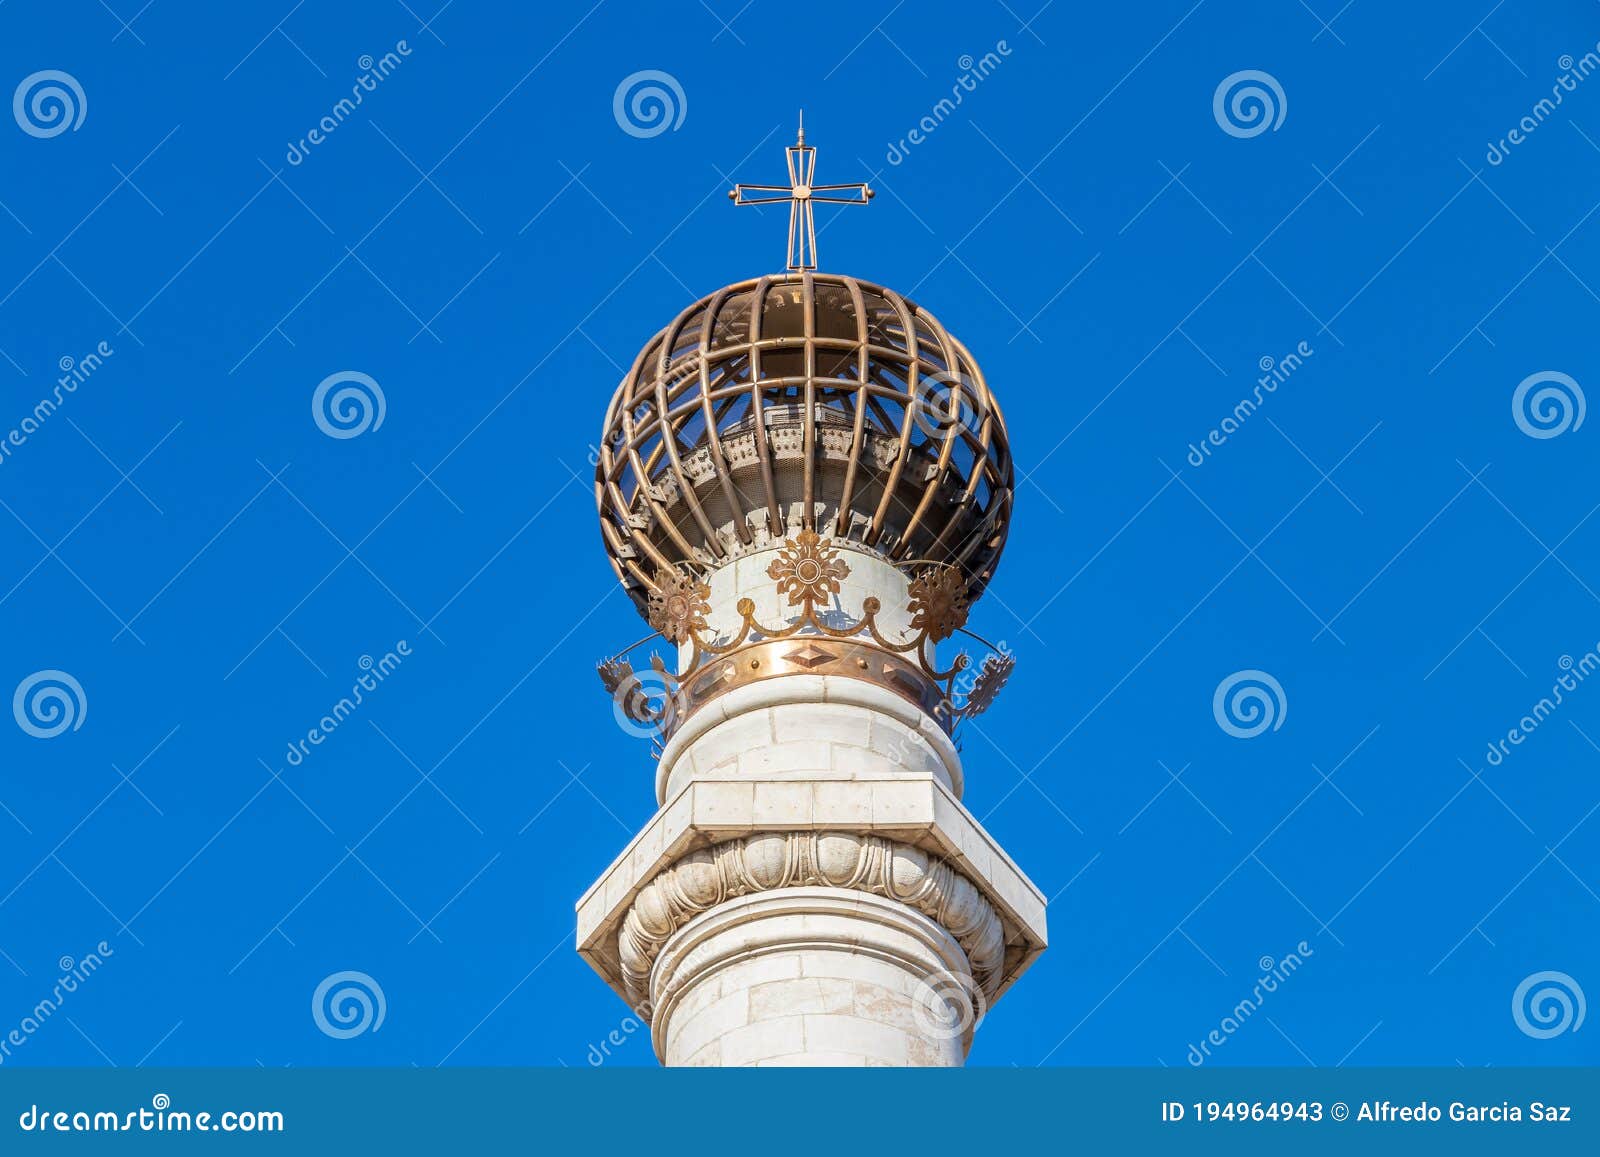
801 195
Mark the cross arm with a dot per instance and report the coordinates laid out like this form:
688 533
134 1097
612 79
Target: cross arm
740 194
859 194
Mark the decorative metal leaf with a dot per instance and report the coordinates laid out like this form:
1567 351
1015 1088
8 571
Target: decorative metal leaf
614 672
992 676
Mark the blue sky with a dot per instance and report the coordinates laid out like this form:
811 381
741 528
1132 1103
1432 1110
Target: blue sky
483 239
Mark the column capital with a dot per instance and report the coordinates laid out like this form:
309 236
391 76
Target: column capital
916 817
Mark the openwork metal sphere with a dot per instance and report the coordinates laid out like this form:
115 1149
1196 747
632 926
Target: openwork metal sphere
803 402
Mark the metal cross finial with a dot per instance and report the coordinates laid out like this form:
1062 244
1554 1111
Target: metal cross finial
801 195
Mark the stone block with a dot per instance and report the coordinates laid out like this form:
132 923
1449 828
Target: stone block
761 1041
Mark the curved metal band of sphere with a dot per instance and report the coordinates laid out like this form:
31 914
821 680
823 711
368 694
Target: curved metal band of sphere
803 401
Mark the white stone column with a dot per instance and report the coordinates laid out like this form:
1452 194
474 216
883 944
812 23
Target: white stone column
807 976
812 892
822 722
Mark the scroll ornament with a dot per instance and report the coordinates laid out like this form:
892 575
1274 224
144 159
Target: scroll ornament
706 878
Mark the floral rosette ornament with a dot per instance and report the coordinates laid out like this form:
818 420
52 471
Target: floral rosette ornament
939 602
808 569
679 604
